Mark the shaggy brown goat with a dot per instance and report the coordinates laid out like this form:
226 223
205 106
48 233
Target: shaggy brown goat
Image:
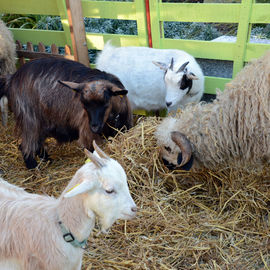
44 105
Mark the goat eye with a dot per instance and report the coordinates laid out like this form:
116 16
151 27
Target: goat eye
109 191
167 148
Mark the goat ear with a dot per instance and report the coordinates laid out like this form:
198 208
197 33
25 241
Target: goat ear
78 87
119 92
162 66
116 91
192 76
83 187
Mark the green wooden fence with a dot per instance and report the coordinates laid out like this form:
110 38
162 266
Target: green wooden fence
243 14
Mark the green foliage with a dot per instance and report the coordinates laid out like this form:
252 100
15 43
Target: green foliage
20 21
110 26
261 31
187 30
50 23
32 21
263 1
175 30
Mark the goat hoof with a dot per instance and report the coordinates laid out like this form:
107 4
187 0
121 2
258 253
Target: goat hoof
31 164
48 159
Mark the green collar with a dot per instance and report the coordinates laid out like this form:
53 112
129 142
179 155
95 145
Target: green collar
69 238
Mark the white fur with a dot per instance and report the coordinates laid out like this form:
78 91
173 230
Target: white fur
30 236
147 87
10 264
10 190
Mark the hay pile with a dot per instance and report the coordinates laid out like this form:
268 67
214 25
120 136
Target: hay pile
206 220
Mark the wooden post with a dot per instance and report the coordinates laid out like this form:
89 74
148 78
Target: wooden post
77 31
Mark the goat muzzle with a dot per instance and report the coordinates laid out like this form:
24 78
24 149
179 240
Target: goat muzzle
97 129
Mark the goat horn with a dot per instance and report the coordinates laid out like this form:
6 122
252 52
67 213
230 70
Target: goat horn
182 67
171 65
97 161
184 144
99 151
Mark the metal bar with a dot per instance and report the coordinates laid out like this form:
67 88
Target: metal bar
148 19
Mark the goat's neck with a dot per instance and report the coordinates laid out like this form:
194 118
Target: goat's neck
73 216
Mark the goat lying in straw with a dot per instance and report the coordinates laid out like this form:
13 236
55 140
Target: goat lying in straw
179 82
233 130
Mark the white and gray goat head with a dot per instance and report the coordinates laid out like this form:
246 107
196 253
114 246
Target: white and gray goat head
178 82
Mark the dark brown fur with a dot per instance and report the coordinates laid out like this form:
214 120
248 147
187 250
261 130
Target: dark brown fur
41 96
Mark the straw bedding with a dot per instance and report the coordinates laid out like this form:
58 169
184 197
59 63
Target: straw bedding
203 220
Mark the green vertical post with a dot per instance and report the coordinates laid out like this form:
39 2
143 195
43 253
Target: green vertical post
141 23
243 32
155 23
61 4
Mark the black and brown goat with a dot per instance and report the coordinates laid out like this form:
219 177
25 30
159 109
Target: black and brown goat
40 95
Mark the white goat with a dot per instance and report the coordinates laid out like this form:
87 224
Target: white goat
41 232
149 88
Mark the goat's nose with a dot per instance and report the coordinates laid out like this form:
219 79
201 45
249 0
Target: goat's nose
134 209
168 104
95 127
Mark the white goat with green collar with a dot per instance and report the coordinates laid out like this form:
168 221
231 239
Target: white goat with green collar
41 232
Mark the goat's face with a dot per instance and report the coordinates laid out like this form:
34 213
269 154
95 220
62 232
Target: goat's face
112 200
178 82
96 99
108 194
175 148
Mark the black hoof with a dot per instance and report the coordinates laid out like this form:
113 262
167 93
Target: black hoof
30 163
44 155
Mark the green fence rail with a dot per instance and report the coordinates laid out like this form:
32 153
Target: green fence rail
243 14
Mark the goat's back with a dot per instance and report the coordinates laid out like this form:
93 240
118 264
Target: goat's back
40 78
36 95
